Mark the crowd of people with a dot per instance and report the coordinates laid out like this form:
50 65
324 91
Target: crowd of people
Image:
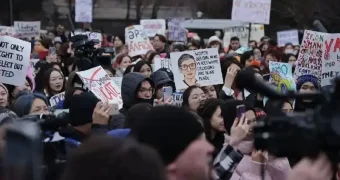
150 138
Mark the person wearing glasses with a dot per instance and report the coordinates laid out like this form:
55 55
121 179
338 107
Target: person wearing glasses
187 66
136 88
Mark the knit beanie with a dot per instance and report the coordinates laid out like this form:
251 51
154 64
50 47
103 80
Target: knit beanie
307 78
81 108
4 87
169 130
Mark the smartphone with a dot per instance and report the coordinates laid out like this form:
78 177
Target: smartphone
240 109
167 93
52 51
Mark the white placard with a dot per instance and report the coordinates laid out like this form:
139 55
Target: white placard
177 98
177 32
153 26
331 59
27 29
251 11
162 63
84 10
242 32
196 67
90 35
7 31
14 60
137 41
290 36
54 100
101 85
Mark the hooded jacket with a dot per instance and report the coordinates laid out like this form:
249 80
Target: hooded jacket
129 89
160 77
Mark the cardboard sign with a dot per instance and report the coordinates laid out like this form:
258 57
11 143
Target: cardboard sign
57 98
281 76
162 63
242 32
27 29
14 60
311 54
137 41
331 59
177 98
196 67
153 26
83 11
251 11
177 32
284 37
101 85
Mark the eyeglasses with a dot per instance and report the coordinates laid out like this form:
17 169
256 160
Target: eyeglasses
186 66
145 91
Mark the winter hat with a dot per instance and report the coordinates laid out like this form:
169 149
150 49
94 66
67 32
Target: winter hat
160 77
307 78
6 116
81 108
169 130
213 39
4 87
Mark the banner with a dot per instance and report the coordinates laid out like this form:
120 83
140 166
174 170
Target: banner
153 26
118 81
14 60
242 32
138 43
54 100
177 32
196 67
290 36
331 60
281 76
27 29
251 11
101 85
162 63
7 31
311 54
83 11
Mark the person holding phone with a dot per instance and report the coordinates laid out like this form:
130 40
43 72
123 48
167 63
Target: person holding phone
251 163
164 86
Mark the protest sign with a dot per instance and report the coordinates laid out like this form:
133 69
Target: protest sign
100 84
177 32
199 66
177 97
153 26
83 11
54 100
90 35
281 76
331 60
290 36
310 57
242 32
162 63
118 81
7 31
138 43
252 11
14 60
27 29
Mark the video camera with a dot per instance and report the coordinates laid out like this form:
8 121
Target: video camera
297 135
48 122
88 55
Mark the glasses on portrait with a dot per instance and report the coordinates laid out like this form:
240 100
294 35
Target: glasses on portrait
186 66
146 91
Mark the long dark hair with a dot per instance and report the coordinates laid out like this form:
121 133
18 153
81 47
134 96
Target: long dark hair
187 93
46 81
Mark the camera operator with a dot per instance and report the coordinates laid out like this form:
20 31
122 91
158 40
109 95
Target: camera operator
86 115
